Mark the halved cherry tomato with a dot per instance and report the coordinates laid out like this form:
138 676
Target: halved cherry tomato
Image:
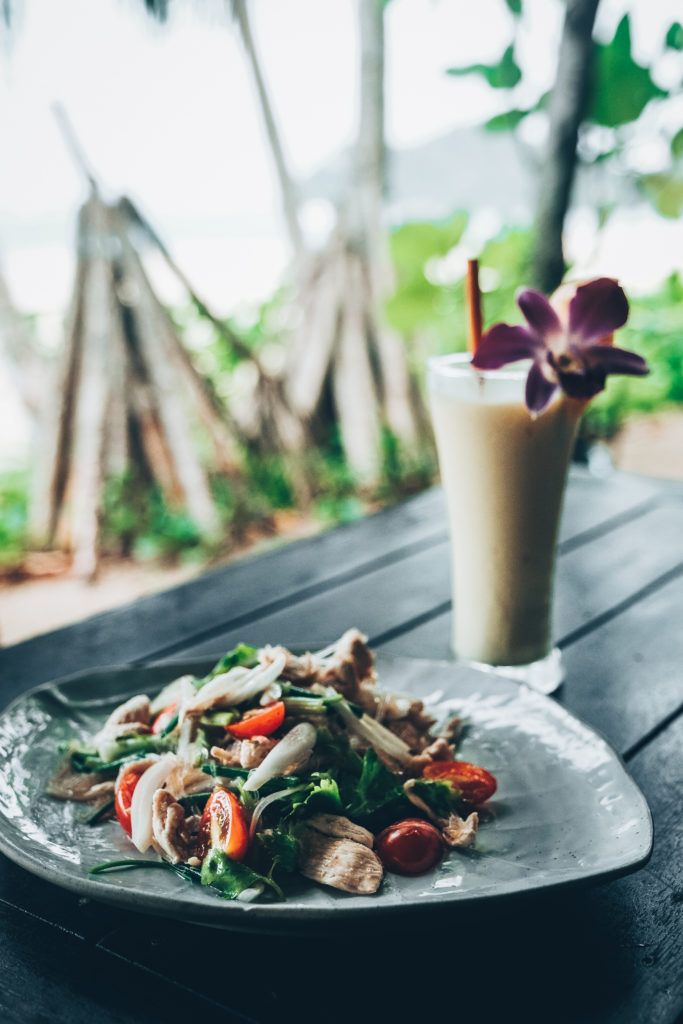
259 722
224 825
124 797
475 783
410 847
164 718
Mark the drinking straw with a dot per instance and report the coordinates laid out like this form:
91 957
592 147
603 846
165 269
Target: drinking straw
473 299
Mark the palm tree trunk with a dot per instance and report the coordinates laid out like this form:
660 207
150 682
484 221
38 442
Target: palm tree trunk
239 10
567 110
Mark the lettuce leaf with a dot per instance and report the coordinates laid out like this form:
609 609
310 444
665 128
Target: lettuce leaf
379 794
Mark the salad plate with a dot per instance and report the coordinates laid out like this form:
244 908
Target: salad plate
566 811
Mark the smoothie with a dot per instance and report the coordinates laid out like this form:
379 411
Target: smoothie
504 474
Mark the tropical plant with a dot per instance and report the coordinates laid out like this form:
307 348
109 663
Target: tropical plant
598 85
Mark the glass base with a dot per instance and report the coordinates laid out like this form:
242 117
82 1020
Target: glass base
544 676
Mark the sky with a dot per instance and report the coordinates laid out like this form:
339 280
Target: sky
168 115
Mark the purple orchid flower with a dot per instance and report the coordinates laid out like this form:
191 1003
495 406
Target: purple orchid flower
575 355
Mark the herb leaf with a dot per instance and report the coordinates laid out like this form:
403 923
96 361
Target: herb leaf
378 791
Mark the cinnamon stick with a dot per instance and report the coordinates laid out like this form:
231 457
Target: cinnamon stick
473 300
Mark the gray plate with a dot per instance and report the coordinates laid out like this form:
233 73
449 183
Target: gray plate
566 810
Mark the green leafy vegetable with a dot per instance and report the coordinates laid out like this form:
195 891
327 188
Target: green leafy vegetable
243 654
227 771
219 719
323 794
440 796
86 759
232 877
378 792
281 846
336 751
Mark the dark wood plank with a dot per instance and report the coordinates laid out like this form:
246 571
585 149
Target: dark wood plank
64 910
624 678
243 593
237 591
596 576
592 579
50 977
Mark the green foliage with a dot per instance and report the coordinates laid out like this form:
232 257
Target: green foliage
507 121
438 311
421 306
653 330
665 192
506 74
418 302
13 519
135 517
674 36
514 6
665 189
622 88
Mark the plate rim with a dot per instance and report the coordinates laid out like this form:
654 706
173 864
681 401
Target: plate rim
277 917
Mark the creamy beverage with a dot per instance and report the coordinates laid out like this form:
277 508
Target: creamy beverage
504 473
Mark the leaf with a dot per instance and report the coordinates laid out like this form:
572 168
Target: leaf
440 796
504 75
665 192
507 121
677 144
323 796
231 877
515 7
377 790
243 654
622 88
282 848
674 36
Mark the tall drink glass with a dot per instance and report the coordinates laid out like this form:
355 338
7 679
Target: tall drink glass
504 474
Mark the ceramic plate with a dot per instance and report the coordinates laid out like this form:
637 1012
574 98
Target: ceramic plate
566 810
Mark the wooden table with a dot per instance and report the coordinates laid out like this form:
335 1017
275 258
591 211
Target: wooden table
612 953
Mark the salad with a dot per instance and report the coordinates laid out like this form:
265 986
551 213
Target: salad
274 766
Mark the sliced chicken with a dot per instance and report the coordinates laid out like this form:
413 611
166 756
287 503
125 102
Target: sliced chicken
136 709
81 786
341 828
459 833
171 836
340 863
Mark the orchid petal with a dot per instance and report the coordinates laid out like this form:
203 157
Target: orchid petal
583 385
539 390
617 360
597 309
505 344
540 315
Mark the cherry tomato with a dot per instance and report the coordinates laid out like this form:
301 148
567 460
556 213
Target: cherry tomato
164 718
410 847
475 783
124 797
259 722
224 825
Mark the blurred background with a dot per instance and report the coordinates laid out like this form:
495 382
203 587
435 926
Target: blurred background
231 233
